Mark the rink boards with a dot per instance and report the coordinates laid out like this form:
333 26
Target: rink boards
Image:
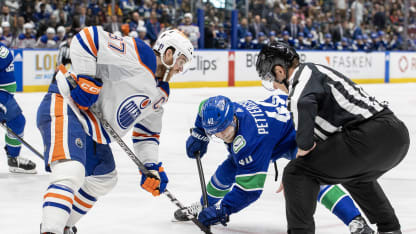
227 68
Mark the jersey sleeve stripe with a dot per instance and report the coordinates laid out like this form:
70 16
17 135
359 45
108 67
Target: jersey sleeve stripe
90 41
95 31
136 134
251 182
148 139
138 57
143 128
82 43
57 125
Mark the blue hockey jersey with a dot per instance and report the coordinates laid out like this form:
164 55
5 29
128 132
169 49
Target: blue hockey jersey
265 133
7 79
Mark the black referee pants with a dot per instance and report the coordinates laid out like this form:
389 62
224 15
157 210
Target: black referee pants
355 158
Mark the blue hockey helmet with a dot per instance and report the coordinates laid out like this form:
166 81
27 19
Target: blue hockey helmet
217 114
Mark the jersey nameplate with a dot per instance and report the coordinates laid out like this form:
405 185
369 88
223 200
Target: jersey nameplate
238 143
4 52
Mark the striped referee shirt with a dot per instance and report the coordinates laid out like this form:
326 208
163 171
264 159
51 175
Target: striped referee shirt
322 101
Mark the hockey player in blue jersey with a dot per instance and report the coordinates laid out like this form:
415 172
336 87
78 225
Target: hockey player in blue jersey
255 133
11 115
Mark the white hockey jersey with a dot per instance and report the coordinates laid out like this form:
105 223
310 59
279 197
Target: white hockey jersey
129 98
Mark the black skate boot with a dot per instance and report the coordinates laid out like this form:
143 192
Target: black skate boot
392 232
21 165
70 230
359 226
193 209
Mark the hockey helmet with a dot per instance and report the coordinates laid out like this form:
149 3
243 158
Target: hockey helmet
217 113
178 41
272 54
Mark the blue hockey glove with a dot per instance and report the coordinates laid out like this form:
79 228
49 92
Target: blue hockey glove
86 92
213 215
197 141
157 182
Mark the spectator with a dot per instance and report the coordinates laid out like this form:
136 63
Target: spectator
80 20
327 43
42 14
113 26
153 27
248 42
190 30
210 35
272 36
242 28
19 25
26 39
262 41
357 11
293 27
221 38
379 18
6 17
166 17
257 26
274 20
60 35
47 40
343 45
135 21
7 36
300 43
142 34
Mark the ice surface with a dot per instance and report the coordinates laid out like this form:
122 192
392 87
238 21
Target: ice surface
129 209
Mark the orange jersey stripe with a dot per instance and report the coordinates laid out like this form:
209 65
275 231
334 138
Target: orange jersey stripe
90 41
136 134
138 57
97 127
58 152
59 196
62 68
82 203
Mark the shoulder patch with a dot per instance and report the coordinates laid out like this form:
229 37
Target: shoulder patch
4 52
238 143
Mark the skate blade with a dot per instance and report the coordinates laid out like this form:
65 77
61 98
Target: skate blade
22 171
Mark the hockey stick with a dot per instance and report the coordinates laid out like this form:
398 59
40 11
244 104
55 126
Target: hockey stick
3 124
137 161
201 179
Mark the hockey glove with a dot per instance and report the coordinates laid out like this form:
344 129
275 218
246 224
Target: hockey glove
157 181
213 215
86 92
197 141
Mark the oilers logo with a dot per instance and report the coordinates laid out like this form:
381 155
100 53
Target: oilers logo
130 109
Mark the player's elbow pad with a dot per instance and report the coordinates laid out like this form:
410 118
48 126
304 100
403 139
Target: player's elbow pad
86 92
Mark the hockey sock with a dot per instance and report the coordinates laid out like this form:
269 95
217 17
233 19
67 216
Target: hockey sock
338 202
57 205
13 145
83 202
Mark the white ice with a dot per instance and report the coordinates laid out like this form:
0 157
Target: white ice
129 209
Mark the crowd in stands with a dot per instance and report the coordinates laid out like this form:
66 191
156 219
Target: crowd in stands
349 25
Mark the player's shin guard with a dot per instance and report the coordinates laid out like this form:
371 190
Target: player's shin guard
85 198
338 202
58 199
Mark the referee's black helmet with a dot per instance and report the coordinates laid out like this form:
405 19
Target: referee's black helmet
272 54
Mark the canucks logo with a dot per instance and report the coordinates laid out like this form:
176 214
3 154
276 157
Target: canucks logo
238 143
130 109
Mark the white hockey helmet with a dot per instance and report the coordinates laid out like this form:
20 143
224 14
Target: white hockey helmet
177 40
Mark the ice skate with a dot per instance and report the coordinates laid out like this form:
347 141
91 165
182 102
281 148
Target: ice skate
21 165
193 209
70 230
359 226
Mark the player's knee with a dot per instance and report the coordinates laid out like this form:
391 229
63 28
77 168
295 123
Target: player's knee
17 124
98 186
68 173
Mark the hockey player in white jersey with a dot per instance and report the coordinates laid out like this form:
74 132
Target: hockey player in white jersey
126 82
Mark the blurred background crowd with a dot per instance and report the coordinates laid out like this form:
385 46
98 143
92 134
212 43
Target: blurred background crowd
349 25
